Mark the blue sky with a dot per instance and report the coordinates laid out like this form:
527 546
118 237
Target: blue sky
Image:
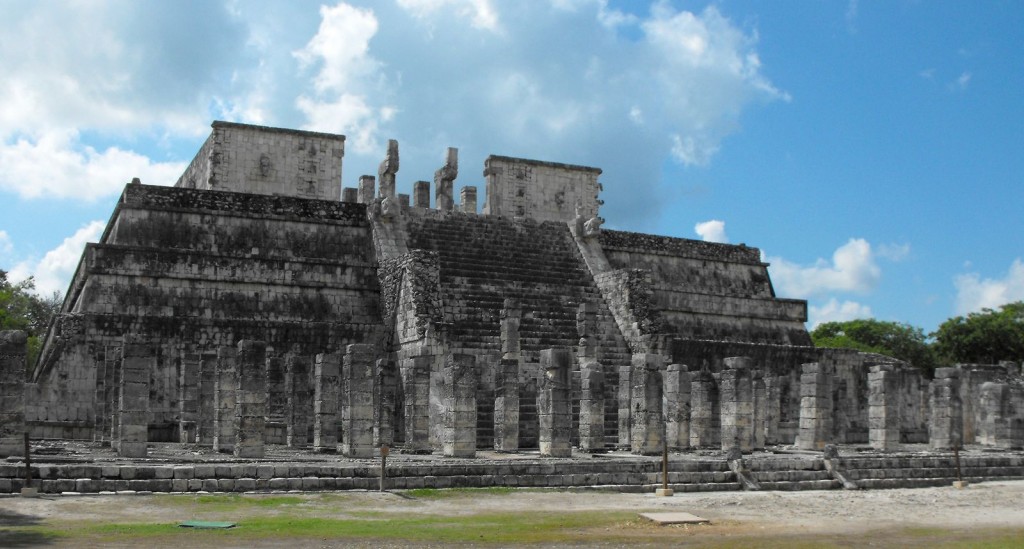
871 150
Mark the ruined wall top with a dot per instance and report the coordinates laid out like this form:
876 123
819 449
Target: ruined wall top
271 161
545 191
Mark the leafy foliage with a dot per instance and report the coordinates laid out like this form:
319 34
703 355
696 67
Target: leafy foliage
894 339
21 309
983 337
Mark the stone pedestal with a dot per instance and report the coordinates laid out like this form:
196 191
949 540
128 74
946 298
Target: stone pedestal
945 425
506 405
677 407
250 399
299 406
416 388
647 424
138 359
704 411
358 406
553 406
13 349
225 385
421 194
326 392
883 407
458 429
737 404
367 189
815 407
386 400
591 406
349 194
468 199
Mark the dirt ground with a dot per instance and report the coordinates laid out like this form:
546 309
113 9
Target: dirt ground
734 515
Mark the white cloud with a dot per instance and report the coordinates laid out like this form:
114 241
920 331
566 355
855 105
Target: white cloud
834 311
6 246
711 231
481 13
347 79
58 165
974 293
53 272
961 83
852 269
894 252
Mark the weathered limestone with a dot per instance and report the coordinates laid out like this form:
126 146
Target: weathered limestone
647 426
737 404
207 398
506 405
138 360
591 406
277 400
677 407
416 390
367 189
772 408
12 392
326 390
883 407
386 400
188 397
458 431
225 386
350 195
468 199
358 406
705 426
998 425
444 179
251 400
298 409
553 405
421 194
760 410
815 407
387 170
946 412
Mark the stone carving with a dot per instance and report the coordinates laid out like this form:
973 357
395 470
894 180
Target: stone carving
387 170
444 179
264 165
389 207
592 227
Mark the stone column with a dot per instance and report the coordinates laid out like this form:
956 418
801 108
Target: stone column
349 195
624 398
883 407
359 380
772 408
188 397
815 407
737 404
677 407
647 433
250 399
704 411
207 397
946 413
388 169
225 385
468 199
99 432
416 389
138 359
367 189
553 406
13 371
298 407
506 406
385 400
107 407
326 390
591 406
277 400
458 432
760 411
994 427
444 179
421 194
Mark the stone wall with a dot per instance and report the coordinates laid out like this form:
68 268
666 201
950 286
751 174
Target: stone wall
544 191
260 160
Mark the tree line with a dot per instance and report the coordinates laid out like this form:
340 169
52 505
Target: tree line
21 309
985 337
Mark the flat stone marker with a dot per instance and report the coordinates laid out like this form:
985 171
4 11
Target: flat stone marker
676 517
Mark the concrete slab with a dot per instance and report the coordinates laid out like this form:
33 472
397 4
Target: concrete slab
675 517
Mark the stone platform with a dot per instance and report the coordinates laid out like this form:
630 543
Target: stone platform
80 467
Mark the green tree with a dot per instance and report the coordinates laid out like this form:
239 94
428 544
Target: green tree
987 336
894 339
21 309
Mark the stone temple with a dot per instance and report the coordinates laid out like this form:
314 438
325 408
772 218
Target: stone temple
258 305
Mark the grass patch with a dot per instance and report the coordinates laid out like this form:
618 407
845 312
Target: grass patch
440 493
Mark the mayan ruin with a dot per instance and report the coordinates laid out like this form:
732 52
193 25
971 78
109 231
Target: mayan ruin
285 329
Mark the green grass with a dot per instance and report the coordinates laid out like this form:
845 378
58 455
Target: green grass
439 493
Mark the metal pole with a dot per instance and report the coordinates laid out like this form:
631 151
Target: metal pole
956 457
28 463
383 465
664 466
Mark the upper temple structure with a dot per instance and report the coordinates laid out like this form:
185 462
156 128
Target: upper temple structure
257 302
